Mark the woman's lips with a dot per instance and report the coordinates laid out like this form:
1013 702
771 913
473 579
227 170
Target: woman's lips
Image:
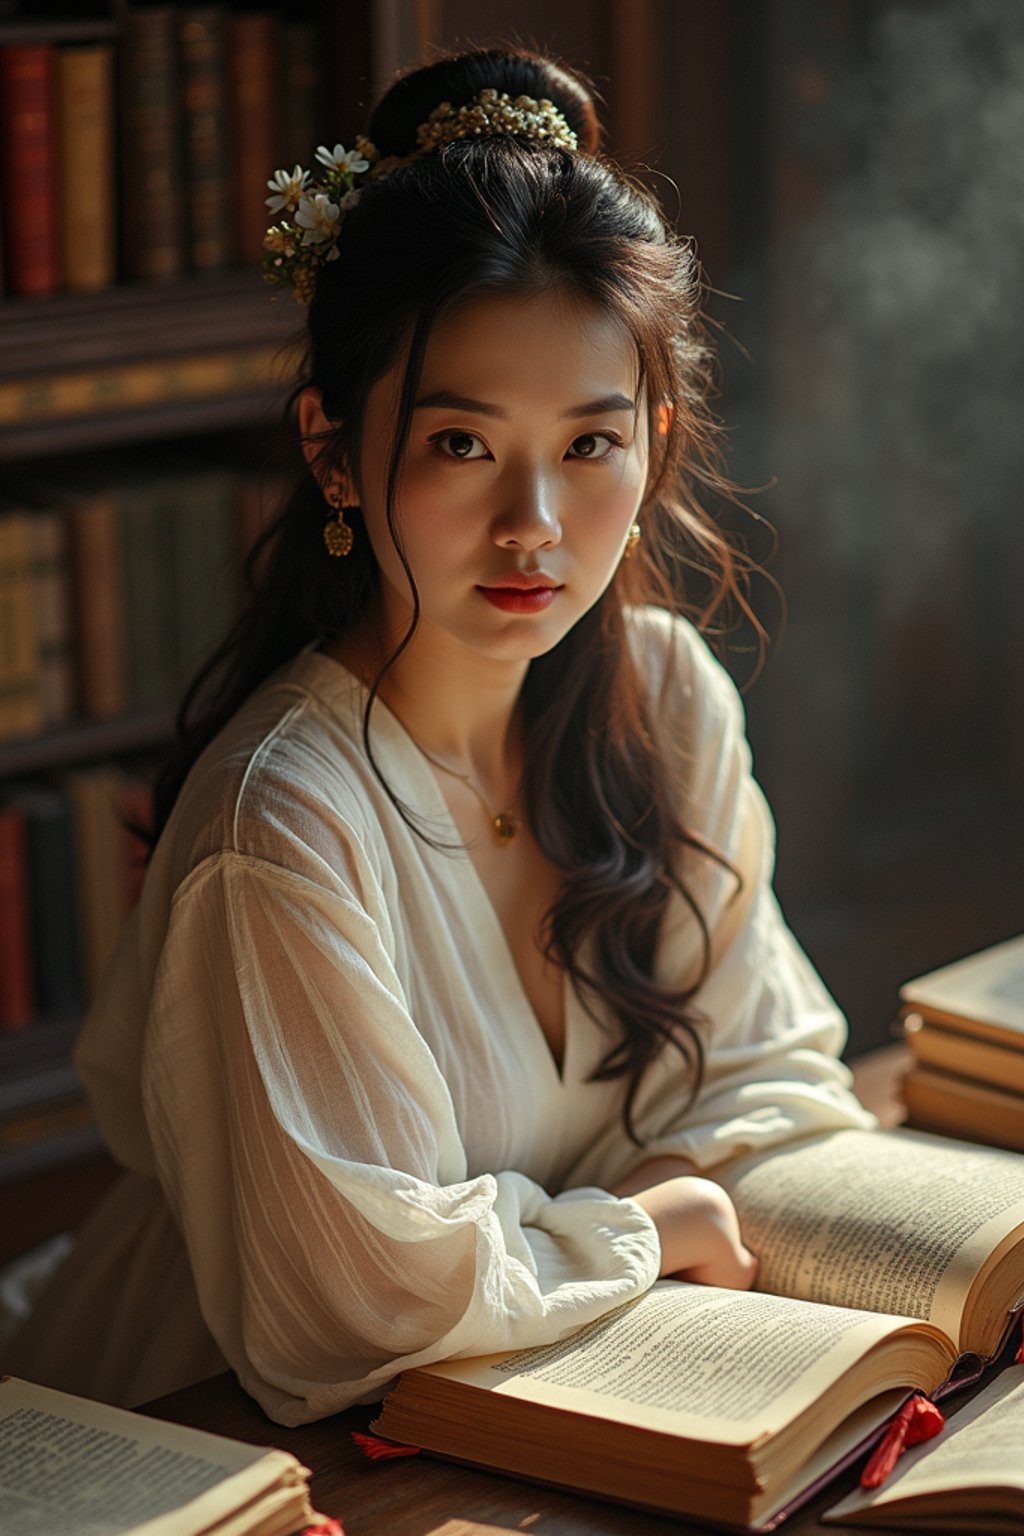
520 599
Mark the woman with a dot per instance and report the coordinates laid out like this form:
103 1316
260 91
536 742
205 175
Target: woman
457 964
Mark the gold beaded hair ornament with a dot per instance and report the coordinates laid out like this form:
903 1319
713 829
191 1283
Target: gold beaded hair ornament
312 212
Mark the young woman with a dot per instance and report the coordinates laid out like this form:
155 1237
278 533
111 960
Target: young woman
457 966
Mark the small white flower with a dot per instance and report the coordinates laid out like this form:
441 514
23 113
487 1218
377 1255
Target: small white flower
319 217
339 158
332 254
289 187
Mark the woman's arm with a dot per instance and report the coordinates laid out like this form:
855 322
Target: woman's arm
308 1144
696 1223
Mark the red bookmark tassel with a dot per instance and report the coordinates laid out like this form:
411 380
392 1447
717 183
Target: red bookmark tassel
325 1528
376 1449
1018 1358
917 1420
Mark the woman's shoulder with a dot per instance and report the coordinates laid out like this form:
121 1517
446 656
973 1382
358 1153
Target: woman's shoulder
692 694
285 780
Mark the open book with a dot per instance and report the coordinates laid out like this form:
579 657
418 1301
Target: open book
971 1478
76 1467
890 1262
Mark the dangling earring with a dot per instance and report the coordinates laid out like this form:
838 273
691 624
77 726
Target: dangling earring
632 540
338 536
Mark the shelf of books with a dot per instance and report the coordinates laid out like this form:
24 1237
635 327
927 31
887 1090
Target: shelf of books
144 377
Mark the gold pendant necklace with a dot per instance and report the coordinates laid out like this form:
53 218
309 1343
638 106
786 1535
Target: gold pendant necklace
505 823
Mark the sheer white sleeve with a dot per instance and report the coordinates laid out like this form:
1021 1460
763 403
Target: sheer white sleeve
309 1147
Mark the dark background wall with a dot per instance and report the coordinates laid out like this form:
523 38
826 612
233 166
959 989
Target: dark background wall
853 172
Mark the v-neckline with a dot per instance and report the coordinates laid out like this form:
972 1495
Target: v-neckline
477 896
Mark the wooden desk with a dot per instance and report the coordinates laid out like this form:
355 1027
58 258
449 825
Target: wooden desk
419 1496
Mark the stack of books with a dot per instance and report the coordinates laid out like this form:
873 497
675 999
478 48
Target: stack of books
965 1028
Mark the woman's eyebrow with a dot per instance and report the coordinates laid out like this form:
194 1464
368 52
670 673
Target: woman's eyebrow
453 402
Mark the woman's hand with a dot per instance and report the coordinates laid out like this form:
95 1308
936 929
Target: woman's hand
696 1222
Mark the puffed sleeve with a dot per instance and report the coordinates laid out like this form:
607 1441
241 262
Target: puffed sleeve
772 1033
308 1145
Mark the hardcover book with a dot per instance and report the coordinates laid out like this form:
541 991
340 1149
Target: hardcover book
890 1262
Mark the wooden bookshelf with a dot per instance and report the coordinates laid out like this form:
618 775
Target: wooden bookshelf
205 353
86 741
204 359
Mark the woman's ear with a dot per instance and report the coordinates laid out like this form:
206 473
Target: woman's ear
664 417
314 428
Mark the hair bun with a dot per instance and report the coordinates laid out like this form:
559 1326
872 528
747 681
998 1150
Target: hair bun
459 77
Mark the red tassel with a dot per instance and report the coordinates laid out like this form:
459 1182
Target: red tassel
376 1449
325 1528
917 1420
1018 1358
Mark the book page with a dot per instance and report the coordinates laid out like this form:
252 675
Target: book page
887 1221
980 1447
84 1469
691 1359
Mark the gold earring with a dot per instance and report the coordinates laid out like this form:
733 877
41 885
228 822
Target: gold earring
632 540
338 536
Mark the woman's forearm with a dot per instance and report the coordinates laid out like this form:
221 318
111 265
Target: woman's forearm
695 1220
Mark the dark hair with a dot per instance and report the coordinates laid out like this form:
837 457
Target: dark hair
503 215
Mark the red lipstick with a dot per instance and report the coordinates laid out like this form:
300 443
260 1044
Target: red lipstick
520 599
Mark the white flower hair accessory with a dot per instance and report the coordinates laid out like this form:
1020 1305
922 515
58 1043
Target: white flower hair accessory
313 213
294 249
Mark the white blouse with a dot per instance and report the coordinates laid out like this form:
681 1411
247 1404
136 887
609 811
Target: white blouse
314 1052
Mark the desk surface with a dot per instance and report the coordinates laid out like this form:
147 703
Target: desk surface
419 1496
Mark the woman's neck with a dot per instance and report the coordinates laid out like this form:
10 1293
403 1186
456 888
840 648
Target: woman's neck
458 706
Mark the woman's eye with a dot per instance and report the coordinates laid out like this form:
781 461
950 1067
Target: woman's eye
459 445
590 442
468 447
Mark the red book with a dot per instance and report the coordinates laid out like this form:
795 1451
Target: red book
15 941
28 167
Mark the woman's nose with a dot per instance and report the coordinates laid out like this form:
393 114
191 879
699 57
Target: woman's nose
529 516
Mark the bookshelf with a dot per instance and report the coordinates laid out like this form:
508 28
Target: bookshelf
107 366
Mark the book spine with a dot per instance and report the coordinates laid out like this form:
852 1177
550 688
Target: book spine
148 601
15 940
85 138
21 711
152 193
99 611
52 865
28 166
102 879
203 52
203 567
52 578
255 116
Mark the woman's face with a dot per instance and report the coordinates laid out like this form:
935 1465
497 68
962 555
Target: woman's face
526 462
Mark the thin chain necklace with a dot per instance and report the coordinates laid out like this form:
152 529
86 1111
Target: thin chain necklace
505 823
